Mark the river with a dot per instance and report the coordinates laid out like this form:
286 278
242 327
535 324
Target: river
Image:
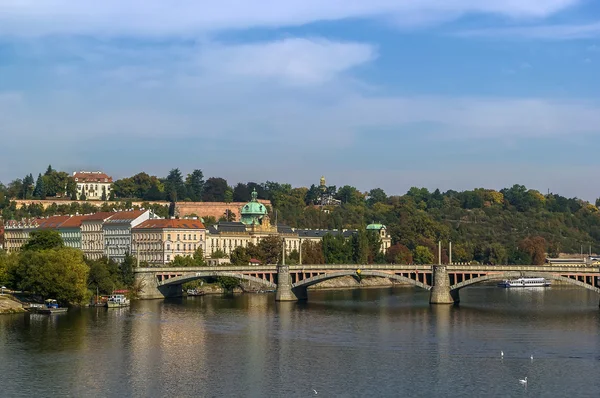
349 343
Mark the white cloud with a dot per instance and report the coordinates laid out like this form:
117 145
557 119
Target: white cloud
190 17
545 32
291 60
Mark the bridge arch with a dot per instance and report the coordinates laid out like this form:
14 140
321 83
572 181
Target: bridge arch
305 283
179 280
507 275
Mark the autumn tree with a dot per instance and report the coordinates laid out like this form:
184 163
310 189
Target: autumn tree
398 254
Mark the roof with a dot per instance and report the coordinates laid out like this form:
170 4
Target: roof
228 226
100 216
51 222
91 176
125 216
178 224
72 222
374 226
255 261
254 207
284 229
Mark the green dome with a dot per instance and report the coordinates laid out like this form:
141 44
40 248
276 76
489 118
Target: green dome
375 227
253 211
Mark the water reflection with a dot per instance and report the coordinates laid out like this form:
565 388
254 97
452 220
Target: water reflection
374 342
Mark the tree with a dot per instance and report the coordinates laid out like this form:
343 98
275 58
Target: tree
241 193
218 254
103 198
239 256
535 248
194 184
40 189
376 195
214 190
336 250
360 247
28 187
398 254
102 275
60 274
349 194
82 197
126 270
271 248
43 240
423 255
312 252
174 186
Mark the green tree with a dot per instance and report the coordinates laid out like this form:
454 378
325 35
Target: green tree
271 248
174 186
42 240
228 283
102 275
336 250
40 188
376 195
28 187
239 256
214 190
360 247
82 196
312 252
218 254
241 193
194 184
103 198
423 255
60 274
126 270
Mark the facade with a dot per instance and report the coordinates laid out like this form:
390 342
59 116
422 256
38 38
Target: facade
92 184
92 234
16 233
158 241
70 231
116 232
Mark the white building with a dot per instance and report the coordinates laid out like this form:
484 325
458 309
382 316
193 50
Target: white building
92 234
117 232
93 184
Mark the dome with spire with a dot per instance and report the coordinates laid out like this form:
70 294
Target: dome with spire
253 211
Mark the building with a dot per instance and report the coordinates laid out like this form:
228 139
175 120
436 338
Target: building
92 184
70 231
159 241
327 198
116 231
16 233
255 225
92 234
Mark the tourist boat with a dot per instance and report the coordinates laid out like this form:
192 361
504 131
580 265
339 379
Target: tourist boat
525 282
195 292
50 307
117 300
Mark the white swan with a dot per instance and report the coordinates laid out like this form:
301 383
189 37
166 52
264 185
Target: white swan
531 357
315 391
502 354
524 381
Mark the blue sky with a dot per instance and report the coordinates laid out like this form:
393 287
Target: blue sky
380 93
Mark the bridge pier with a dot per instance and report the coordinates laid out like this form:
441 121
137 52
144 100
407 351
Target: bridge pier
149 288
284 291
440 291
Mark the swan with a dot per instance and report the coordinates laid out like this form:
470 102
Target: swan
502 354
524 381
531 357
315 391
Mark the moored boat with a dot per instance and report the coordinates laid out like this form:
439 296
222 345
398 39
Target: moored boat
525 282
117 300
195 292
50 307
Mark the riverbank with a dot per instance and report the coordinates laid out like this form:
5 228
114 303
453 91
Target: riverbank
10 306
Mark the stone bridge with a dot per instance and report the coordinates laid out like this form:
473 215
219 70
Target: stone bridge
291 282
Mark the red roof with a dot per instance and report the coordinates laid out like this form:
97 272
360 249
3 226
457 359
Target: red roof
91 176
126 215
73 222
161 224
254 261
51 222
101 216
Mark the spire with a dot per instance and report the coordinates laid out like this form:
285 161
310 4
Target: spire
254 195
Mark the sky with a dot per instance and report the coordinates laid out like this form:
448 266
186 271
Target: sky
449 94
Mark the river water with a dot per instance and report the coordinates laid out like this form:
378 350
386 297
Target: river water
352 343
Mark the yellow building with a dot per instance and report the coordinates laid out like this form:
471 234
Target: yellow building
158 241
16 233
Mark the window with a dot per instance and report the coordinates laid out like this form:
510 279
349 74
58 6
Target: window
178 246
168 246
190 237
168 236
194 236
168 257
177 236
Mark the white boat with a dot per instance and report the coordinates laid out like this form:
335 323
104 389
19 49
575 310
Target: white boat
117 300
525 282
